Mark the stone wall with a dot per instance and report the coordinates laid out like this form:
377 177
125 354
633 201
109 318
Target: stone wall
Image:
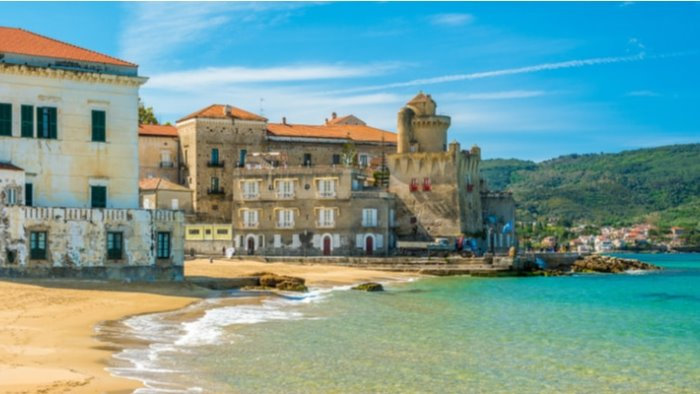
77 245
151 163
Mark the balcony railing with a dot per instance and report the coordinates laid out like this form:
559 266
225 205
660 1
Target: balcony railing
369 223
217 191
325 224
251 196
285 224
167 164
326 194
250 224
285 196
217 164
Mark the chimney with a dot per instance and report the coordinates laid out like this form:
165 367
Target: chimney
227 110
334 115
284 120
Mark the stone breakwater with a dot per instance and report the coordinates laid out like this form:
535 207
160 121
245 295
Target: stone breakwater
610 264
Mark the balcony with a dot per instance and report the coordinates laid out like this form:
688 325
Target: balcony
326 194
250 225
369 223
285 225
325 224
218 191
251 196
285 196
216 164
167 164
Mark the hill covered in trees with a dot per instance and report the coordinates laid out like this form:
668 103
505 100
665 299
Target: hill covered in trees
658 185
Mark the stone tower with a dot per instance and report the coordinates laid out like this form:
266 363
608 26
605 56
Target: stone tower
420 129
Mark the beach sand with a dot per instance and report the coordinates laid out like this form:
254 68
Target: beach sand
47 327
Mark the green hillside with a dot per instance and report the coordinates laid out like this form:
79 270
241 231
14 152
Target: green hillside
661 185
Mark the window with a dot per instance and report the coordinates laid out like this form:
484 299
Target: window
165 161
307 159
285 188
28 194
6 119
364 160
115 245
241 157
285 218
98 196
174 204
27 121
392 218
163 246
326 188
214 156
222 231
99 120
336 159
251 190
214 183
10 196
250 218
326 217
46 122
193 232
426 185
369 217
37 245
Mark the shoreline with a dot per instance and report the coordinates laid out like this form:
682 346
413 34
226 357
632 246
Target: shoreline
52 342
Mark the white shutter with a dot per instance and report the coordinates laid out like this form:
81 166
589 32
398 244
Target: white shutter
373 215
296 242
280 218
237 241
277 240
316 241
336 240
380 240
359 241
175 204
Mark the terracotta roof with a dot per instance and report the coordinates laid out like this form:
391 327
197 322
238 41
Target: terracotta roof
22 42
160 184
347 119
10 167
154 130
354 132
218 111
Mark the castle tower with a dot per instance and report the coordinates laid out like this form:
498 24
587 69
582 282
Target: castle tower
419 128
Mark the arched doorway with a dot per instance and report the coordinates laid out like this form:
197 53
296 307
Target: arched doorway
369 245
250 245
327 245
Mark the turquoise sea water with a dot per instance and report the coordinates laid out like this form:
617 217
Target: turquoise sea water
635 333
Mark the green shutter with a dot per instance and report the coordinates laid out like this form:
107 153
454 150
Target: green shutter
27 121
52 123
98 196
40 124
98 126
6 119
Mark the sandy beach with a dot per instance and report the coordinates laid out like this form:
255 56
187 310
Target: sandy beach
47 337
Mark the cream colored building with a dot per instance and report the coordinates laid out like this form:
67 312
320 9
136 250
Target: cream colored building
159 152
68 122
159 193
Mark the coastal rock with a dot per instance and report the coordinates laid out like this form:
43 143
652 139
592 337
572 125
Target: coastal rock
281 282
369 286
609 264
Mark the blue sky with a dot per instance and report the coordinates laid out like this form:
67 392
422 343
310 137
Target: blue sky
523 80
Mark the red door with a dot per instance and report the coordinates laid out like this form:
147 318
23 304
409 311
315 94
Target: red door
251 246
326 246
369 246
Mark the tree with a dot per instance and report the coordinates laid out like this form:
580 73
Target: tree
146 115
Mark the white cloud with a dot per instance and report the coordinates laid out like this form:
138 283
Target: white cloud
451 19
503 72
190 80
504 95
157 29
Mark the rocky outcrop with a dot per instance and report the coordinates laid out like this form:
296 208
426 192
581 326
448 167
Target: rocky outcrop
280 282
369 286
609 264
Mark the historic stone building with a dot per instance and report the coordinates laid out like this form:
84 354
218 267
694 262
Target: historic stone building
68 136
438 186
301 210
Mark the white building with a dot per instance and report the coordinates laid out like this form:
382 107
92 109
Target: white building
69 148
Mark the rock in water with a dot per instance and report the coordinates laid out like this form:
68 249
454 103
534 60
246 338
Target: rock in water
610 264
369 286
281 282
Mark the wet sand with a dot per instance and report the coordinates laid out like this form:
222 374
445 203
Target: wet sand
48 341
